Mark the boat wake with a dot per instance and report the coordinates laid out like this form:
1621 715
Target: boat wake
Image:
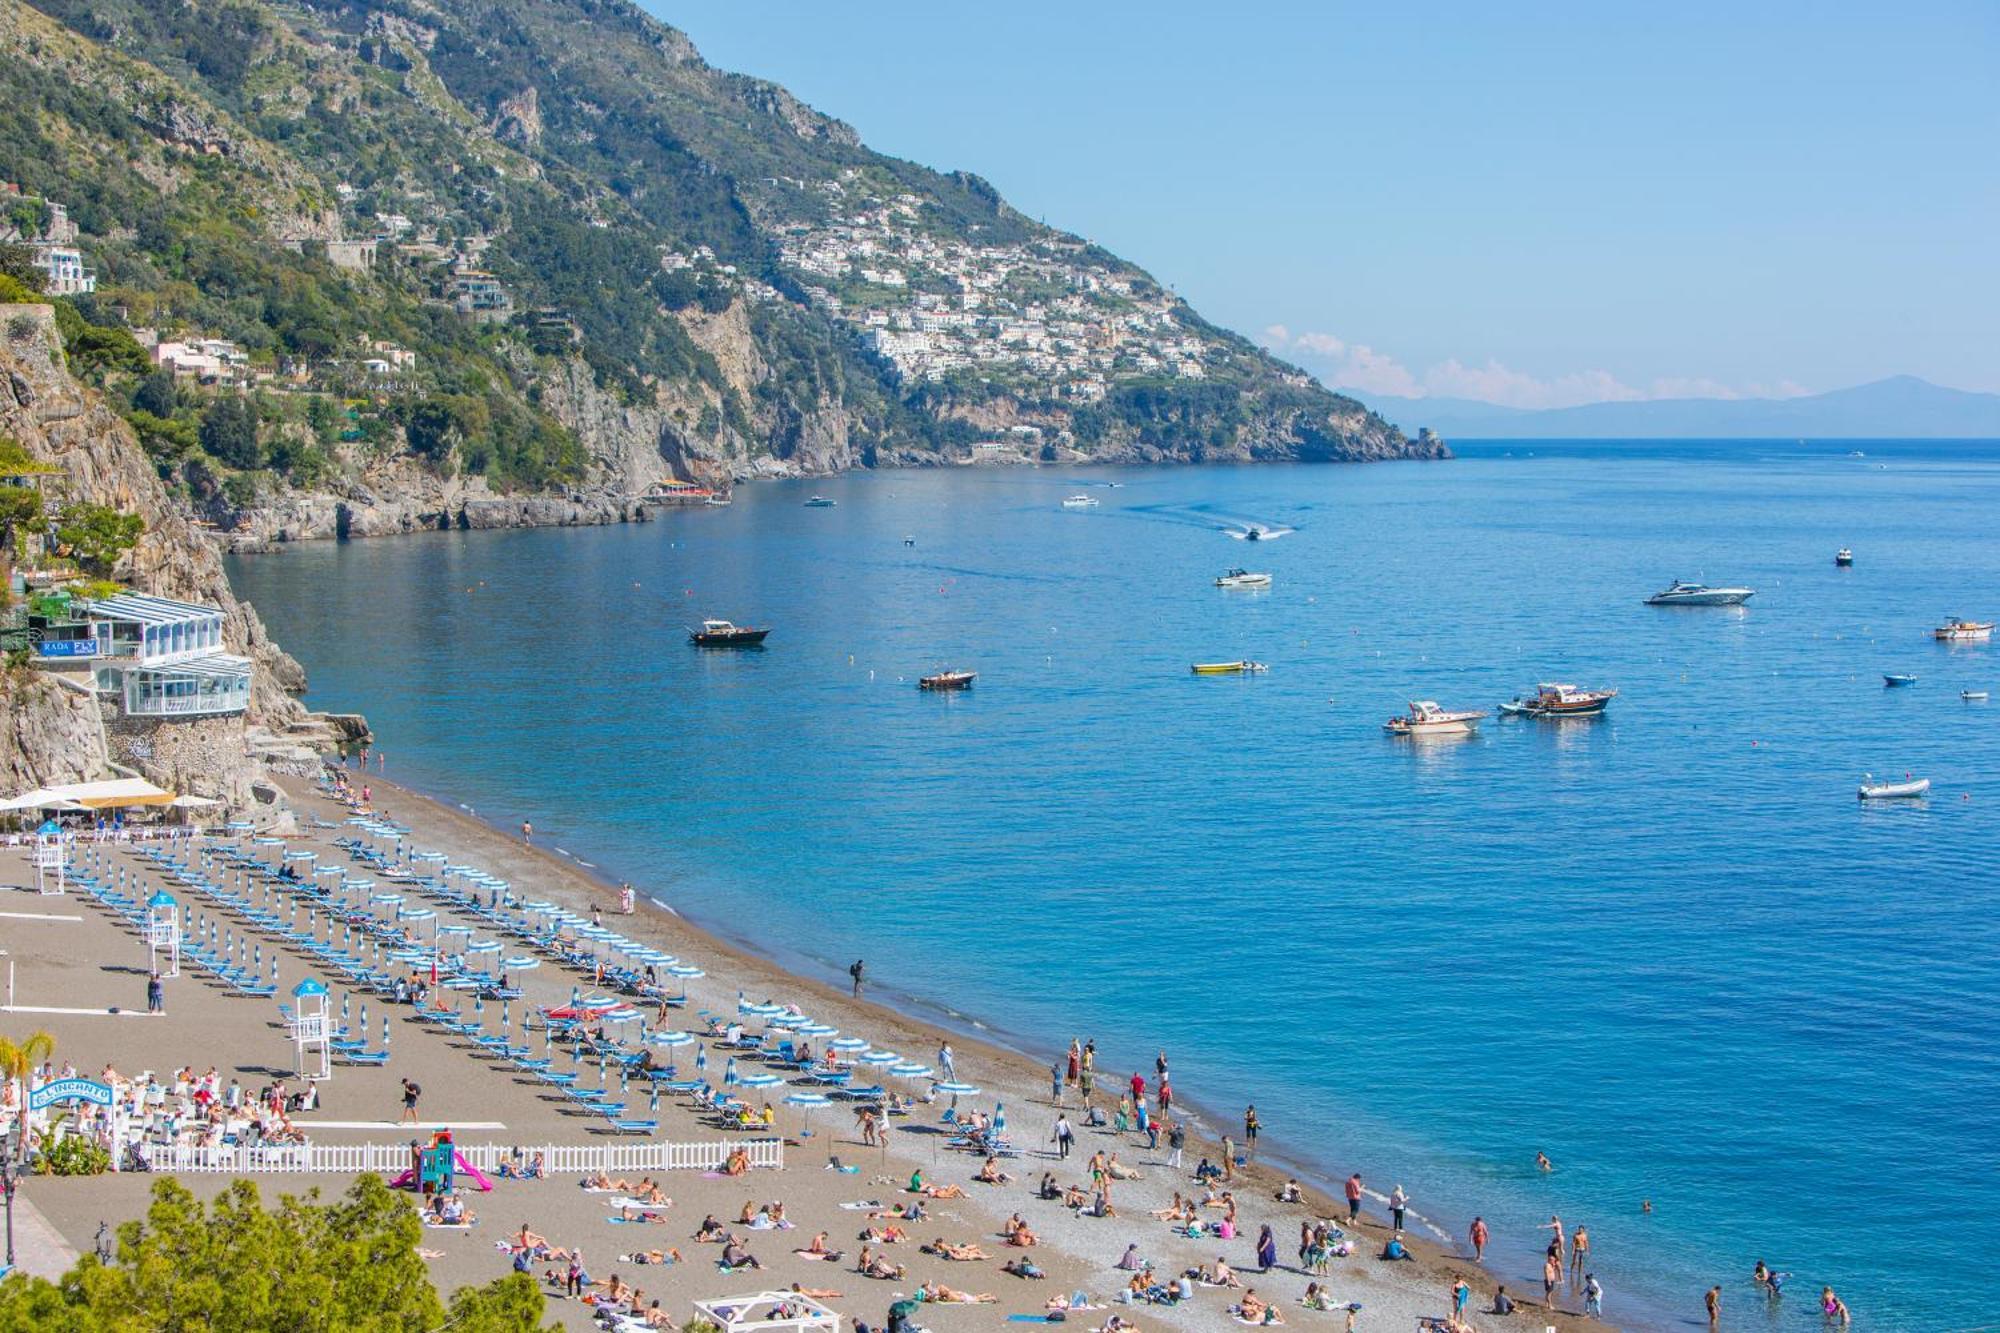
1259 532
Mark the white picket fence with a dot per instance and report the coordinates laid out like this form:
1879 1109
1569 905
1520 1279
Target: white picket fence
558 1159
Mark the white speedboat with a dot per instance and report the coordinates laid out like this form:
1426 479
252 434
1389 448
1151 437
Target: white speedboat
1973 696
1682 593
1959 630
1907 789
1425 718
1079 501
1243 578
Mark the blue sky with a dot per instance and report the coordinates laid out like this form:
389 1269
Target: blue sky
1539 205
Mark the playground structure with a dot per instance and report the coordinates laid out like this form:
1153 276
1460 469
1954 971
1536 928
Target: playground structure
438 1167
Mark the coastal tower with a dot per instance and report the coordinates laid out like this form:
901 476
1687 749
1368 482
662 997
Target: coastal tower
163 935
312 1031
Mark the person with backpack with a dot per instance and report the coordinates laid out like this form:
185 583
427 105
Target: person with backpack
411 1092
1064 1136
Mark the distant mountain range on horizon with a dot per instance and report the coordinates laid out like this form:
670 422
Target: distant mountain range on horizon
1900 407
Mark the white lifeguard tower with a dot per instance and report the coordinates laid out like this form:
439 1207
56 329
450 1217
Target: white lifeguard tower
51 853
312 1031
163 935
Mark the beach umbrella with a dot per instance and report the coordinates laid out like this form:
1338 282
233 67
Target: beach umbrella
910 1069
848 1044
817 1030
958 1090
759 1010
671 1039
808 1102
881 1058
759 1080
788 1021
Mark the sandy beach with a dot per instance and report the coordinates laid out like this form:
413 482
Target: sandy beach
70 972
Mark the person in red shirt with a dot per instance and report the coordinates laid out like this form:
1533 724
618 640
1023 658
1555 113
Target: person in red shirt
1353 1198
1138 1088
1166 1096
1478 1236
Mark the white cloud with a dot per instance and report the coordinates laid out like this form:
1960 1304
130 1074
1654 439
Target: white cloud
1357 366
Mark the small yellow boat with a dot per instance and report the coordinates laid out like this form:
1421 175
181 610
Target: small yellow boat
1227 668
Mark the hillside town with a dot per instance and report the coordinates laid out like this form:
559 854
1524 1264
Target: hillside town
1045 309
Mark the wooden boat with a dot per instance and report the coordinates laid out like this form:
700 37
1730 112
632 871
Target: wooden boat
1897 680
1843 557
1556 699
1243 578
1425 718
1956 630
722 634
1892 791
947 680
1242 668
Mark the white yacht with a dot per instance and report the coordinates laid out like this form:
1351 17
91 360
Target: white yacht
1683 593
1425 718
1079 501
1243 578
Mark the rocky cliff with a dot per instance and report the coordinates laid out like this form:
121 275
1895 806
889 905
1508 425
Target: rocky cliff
54 733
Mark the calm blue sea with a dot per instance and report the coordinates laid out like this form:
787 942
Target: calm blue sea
1669 948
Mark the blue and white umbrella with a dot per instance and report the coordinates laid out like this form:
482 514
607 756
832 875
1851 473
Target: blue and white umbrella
817 1030
807 1102
881 1058
671 1038
848 1044
759 1080
910 1069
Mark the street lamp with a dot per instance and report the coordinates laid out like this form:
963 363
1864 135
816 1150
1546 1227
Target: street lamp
7 1187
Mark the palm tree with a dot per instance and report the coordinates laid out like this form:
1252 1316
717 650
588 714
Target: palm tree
17 1062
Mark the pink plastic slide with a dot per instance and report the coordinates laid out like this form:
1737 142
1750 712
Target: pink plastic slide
408 1180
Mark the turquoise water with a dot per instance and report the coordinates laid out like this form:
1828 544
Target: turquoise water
1669 947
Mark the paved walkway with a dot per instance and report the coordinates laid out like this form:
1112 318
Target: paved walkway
39 1248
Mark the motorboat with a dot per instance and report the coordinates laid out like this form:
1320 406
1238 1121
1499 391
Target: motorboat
1079 501
1556 699
1907 789
1843 557
722 634
1243 668
820 502
1973 696
1682 593
1895 680
947 680
1425 718
1957 630
1243 578
1253 533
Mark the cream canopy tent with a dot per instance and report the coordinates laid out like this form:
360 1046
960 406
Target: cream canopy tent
116 792
768 1309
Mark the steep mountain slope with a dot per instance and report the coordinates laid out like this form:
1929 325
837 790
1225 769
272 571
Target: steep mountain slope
612 262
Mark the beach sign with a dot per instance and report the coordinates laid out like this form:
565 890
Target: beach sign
69 1090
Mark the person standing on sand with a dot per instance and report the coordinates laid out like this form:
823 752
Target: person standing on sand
1478 1237
411 1092
156 995
945 1062
527 834
1460 1294
1714 1303
1177 1140
1354 1198
1055 1083
1075 1059
1138 1087
1064 1136
1398 1201
1251 1125
1228 1158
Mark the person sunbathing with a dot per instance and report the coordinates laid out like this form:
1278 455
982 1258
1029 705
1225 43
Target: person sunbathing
1221 1275
1117 1170
885 1234
1048 1189
667 1256
1023 1267
647 1192
965 1253
816 1293
610 1291
991 1174
600 1181
944 1191
1018 1233
939 1294
1074 1197
643 1213
1254 1309
747 1216
817 1249
710 1230
1173 1212
878 1266
537 1246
